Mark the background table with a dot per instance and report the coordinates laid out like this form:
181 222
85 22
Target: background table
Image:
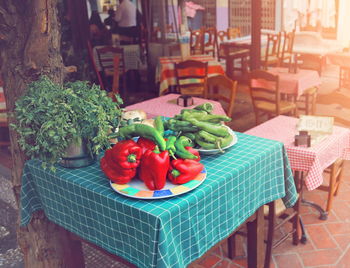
166 106
295 84
165 72
312 160
169 232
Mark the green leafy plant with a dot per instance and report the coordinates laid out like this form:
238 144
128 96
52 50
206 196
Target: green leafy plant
49 117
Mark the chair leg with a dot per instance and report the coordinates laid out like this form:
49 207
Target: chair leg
270 233
330 191
303 239
231 246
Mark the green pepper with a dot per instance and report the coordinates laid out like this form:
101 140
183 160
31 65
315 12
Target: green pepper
209 141
207 106
207 137
158 121
183 126
145 131
214 118
221 130
192 111
189 135
170 145
181 151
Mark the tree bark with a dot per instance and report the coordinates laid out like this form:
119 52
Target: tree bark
30 47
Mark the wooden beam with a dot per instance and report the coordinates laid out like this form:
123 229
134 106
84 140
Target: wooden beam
255 50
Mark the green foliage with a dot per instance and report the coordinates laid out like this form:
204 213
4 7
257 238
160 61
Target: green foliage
50 116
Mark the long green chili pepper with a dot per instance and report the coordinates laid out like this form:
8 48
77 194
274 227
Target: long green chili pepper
193 111
181 151
158 121
207 106
215 118
221 131
189 135
208 141
170 144
145 131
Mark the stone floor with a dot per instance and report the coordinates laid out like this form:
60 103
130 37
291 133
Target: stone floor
328 242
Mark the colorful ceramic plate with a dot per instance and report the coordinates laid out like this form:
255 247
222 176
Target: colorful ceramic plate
137 189
217 151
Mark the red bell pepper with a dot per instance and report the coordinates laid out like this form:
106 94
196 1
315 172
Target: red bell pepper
153 169
146 144
183 170
119 163
126 154
115 173
193 151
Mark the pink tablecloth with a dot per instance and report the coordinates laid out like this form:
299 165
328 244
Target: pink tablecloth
314 159
166 106
295 84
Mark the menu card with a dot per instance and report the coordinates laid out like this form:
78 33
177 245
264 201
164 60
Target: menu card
319 127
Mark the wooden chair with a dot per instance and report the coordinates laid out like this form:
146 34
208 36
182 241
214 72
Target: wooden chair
115 84
233 33
197 42
344 77
278 215
222 89
272 52
105 57
191 77
307 101
335 172
287 48
265 94
221 36
311 62
94 67
210 43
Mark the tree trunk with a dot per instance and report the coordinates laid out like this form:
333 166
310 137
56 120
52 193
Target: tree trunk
30 42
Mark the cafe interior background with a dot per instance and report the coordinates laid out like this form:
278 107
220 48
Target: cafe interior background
328 22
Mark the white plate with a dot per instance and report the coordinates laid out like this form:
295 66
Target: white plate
217 151
137 189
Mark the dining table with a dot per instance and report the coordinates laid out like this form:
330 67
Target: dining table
167 106
167 232
295 83
165 71
312 161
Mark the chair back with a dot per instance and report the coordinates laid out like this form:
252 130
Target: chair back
210 40
93 64
233 33
105 57
264 90
115 85
272 51
191 77
221 36
222 89
287 46
197 41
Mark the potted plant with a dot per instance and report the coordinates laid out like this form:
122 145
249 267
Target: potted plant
59 122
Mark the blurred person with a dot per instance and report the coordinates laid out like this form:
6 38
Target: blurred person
110 21
99 34
126 16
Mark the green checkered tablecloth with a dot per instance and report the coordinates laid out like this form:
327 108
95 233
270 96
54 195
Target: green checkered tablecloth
169 232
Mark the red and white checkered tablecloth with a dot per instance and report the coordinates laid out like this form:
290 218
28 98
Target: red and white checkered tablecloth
294 83
312 160
165 73
166 106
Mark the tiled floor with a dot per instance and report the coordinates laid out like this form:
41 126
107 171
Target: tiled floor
328 243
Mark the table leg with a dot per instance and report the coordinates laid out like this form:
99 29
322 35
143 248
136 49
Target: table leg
323 213
255 238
